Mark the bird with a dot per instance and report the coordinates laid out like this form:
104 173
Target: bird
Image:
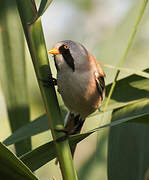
80 81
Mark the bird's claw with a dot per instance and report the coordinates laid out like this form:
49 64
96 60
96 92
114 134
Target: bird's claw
62 130
49 82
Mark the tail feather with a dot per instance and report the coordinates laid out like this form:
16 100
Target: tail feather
73 125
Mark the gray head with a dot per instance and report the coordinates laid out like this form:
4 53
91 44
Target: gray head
69 54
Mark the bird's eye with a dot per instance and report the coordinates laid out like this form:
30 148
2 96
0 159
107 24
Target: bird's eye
66 47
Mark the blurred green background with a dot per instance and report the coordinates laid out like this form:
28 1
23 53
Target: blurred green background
103 27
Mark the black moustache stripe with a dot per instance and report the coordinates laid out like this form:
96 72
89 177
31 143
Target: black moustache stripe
67 57
56 63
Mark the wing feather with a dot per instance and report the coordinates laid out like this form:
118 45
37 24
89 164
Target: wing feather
100 85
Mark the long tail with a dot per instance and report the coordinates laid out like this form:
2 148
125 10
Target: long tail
73 125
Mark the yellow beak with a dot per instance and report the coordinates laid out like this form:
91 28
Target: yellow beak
54 51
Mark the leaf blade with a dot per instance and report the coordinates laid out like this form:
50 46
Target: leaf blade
37 126
12 74
43 6
137 89
12 168
128 143
45 153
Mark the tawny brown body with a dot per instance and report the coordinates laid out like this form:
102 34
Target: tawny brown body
79 87
80 81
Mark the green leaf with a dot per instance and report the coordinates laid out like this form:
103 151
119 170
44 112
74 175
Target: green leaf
133 71
45 153
37 126
133 111
128 151
13 71
128 144
137 88
94 165
43 6
40 156
12 168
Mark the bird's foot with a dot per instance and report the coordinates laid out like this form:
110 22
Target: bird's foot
62 130
65 136
68 132
49 82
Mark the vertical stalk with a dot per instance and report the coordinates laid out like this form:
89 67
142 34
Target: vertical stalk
130 41
35 39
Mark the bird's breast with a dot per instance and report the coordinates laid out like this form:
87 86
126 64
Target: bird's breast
79 92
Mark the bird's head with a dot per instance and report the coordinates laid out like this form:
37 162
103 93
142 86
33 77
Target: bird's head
69 55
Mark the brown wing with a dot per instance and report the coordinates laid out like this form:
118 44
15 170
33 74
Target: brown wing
99 76
100 84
